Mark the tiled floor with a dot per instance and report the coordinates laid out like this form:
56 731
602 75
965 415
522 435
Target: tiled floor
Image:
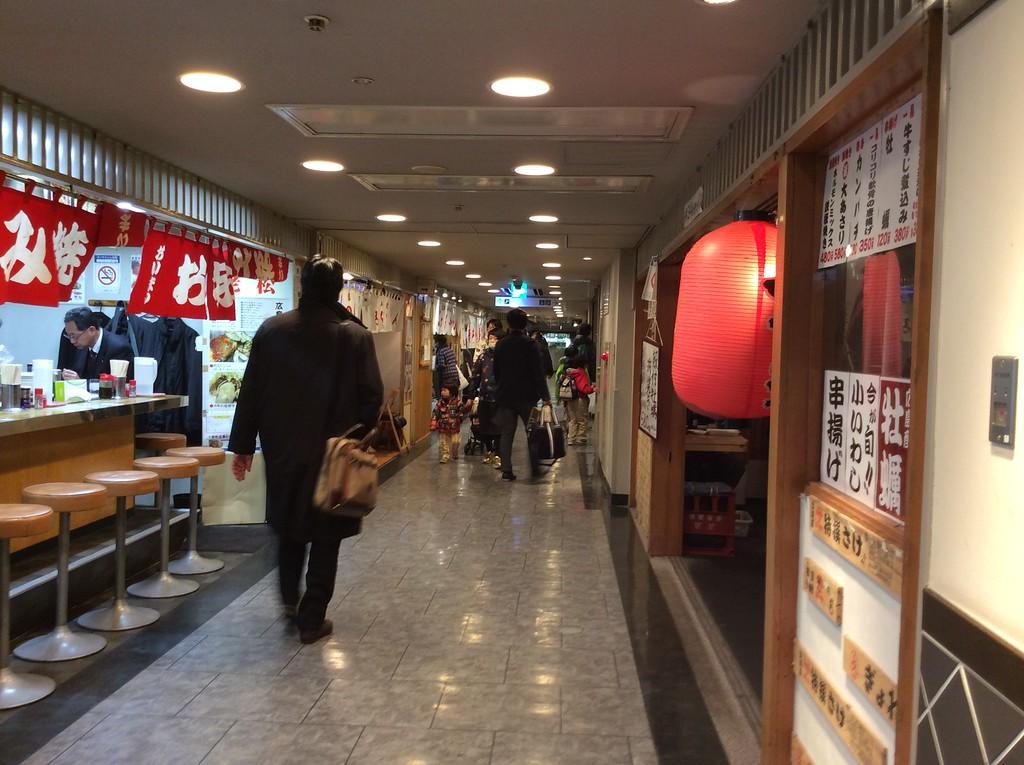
476 622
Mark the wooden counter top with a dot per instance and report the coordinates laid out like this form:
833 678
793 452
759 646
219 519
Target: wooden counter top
35 420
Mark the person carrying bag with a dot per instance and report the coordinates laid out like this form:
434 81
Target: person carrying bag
309 433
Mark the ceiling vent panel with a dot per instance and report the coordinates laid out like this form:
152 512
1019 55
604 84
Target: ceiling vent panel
607 184
532 123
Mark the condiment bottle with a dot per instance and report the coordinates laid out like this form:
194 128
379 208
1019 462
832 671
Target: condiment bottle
40 402
26 398
106 387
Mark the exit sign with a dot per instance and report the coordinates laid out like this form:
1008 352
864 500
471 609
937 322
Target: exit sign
524 302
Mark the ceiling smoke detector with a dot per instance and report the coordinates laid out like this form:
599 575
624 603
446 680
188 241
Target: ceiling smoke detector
316 22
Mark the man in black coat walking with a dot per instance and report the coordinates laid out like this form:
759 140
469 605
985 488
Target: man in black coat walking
521 382
312 374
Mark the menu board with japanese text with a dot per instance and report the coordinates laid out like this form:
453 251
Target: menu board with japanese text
871 185
877 687
823 591
865 436
877 558
858 737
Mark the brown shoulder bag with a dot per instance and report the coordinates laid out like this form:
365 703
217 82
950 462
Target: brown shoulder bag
347 484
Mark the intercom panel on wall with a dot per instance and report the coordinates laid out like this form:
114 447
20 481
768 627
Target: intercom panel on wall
1003 412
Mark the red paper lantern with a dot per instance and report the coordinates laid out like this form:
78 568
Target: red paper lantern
722 357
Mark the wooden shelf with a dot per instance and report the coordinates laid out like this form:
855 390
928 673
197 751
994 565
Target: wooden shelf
715 442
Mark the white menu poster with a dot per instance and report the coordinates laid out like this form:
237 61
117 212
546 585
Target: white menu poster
871 186
227 348
835 413
862 437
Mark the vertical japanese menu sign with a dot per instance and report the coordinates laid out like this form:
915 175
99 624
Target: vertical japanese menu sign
228 346
871 184
865 432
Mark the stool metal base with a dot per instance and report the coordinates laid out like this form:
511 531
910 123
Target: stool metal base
194 563
163 585
18 689
117 617
60 645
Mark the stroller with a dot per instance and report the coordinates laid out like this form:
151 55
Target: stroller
474 445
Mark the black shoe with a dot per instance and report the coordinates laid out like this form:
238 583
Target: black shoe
508 476
312 636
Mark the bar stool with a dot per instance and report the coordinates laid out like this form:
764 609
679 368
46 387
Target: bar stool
162 584
62 644
17 689
192 562
157 443
120 615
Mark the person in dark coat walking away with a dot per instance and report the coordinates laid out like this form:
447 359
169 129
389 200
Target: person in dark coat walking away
446 369
587 350
520 384
312 375
546 364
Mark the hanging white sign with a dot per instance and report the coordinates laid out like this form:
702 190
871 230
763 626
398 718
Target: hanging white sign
871 185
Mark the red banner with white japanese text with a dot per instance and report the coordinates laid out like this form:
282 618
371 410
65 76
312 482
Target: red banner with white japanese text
26 248
253 263
172 277
893 447
121 228
74 242
220 288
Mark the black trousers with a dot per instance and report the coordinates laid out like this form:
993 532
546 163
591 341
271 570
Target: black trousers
509 417
320 574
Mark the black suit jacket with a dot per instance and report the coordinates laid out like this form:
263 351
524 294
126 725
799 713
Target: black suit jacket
111 347
293 417
517 369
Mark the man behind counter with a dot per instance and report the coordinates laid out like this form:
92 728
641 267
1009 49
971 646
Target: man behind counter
82 330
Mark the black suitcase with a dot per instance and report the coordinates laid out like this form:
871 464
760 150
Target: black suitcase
546 442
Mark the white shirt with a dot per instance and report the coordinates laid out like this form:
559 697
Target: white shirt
96 346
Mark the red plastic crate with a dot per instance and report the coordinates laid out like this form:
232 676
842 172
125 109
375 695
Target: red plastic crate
709 524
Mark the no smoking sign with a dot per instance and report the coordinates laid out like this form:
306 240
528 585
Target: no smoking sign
107 274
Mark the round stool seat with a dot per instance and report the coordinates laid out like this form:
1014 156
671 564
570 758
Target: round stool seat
204 455
159 442
126 483
24 520
169 467
66 497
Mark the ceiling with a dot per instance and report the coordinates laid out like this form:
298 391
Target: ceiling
618 68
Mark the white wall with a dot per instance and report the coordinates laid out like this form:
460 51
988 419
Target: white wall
974 492
615 334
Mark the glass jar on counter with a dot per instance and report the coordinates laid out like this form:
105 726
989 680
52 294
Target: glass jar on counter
106 387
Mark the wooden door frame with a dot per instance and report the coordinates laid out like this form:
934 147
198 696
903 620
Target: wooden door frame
911 64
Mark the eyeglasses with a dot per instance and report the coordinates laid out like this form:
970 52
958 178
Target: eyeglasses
71 338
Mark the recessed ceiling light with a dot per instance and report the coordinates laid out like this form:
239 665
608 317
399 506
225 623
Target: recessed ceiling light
484 284
520 87
210 82
323 165
546 246
494 292
554 292
444 294
588 258
363 81
455 262
535 170
717 2
544 218
347 276
428 243
391 218
552 265
472 276
430 169
553 278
